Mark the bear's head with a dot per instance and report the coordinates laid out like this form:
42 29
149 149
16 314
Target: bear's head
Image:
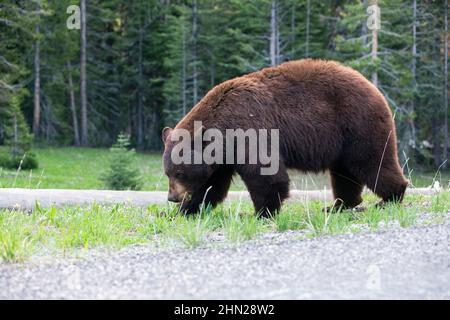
184 178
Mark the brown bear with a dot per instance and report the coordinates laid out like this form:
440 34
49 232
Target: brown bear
329 117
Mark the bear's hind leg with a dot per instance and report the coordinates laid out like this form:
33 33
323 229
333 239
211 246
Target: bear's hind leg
267 192
347 189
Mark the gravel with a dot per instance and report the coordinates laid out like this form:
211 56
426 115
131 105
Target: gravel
411 263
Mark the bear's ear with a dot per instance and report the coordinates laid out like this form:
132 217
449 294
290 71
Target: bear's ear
166 133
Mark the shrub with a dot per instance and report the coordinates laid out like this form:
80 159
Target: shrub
5 161
27 162
123 173
16 135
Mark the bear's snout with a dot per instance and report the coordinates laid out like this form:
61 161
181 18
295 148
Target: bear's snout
177 192
172 197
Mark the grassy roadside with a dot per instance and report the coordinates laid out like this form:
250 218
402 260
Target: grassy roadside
66 231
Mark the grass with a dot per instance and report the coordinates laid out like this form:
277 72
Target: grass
70 230
239 227
190 232
80 168
441 202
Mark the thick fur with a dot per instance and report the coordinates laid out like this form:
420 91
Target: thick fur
329 118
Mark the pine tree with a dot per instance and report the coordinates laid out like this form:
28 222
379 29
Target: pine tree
123 173
15 39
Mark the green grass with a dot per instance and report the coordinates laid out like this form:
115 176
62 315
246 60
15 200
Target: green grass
78 168
68 231
292 217
241 227
81 168
190 232
441 202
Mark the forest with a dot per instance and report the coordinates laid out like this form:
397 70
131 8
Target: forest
79 73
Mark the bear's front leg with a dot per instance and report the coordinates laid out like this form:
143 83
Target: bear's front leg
211 193
266 191
198 199
190 206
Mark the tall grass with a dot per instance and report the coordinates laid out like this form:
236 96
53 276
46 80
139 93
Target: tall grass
241 227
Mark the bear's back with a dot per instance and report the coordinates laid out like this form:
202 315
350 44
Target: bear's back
311 90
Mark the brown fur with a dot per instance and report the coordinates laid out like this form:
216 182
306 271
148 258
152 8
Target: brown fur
330 118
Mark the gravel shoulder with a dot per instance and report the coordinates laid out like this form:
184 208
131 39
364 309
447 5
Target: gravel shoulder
411 263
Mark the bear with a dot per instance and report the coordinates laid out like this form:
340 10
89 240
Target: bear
329 118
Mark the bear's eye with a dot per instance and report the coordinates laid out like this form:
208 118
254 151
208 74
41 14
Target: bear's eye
180 176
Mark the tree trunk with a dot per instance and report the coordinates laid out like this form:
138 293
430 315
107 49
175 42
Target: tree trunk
83 95
436 105
274 35
183 81
293 35
446 139
73 109
308 22
194 52
140 106
374 53
414 74
37 86
363 28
